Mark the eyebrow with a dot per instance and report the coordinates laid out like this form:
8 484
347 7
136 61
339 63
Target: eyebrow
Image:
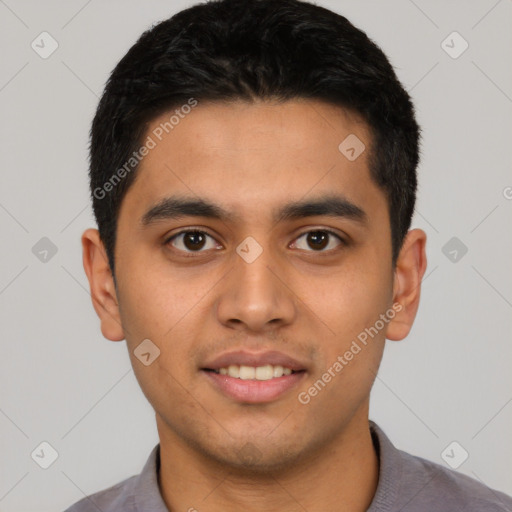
176 207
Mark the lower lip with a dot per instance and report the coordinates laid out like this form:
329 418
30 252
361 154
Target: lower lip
254 391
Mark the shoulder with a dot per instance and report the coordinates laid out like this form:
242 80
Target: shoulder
435 487
136 493
112 499
413 484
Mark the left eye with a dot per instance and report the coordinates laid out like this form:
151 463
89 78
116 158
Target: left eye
319 240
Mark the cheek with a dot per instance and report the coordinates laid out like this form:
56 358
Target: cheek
154 301
169 393
350 300
168 381
355 298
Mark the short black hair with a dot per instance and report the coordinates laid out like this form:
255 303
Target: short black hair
225 50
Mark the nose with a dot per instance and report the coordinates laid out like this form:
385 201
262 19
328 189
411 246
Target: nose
255 296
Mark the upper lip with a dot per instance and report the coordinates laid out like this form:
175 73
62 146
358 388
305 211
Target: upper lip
245 358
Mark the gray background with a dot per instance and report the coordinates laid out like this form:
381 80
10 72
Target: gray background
63 383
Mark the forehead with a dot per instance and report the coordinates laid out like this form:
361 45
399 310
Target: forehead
246 155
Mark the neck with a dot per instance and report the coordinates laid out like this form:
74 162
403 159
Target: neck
342 475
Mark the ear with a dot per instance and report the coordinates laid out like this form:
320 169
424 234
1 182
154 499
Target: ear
103 291
410 268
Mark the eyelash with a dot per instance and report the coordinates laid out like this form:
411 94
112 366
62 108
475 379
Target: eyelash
317 230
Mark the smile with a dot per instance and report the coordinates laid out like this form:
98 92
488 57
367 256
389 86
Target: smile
253 377
265 372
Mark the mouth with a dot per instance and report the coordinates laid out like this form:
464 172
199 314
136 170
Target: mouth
243 372
254 378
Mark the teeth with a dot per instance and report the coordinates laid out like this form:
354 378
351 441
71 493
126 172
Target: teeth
234 371
278 371
247 372
266 372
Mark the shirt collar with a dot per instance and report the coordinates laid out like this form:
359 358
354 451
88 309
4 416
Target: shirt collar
146 492
390 471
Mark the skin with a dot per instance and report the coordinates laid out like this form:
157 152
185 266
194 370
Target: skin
305 302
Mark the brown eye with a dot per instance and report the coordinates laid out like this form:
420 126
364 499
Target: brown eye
192 241
320 239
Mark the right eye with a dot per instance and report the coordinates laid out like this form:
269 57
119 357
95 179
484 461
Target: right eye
191 240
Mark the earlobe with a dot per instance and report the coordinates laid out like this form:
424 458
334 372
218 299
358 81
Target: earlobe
101 283
410 268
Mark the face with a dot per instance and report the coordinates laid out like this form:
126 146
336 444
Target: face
258 297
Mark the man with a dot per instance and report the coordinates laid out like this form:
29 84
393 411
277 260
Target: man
253 176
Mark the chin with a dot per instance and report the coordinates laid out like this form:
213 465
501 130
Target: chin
252 461
256 455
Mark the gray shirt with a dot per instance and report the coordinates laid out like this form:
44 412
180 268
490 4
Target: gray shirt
406 484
